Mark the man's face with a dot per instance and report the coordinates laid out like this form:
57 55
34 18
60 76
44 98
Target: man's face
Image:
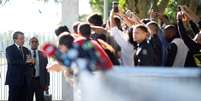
34 43
20 40
169 34
139 35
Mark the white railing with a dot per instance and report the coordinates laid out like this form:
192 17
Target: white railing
55 82
55 78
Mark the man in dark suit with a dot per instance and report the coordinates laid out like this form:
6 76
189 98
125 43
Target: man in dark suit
144 55
19 71
40 79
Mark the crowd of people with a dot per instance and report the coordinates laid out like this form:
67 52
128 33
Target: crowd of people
131 41
124 40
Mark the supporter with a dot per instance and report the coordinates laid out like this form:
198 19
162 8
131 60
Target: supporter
96 22
122 39
85 31
155 41
177 53
61 29
144 55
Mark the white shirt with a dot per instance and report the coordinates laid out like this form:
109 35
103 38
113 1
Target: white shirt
37 67
17 46
20 49
127 50
182 52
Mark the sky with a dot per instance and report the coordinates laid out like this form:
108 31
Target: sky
84 7
32 15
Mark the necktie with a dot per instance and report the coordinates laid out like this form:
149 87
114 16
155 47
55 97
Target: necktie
21 51
34 56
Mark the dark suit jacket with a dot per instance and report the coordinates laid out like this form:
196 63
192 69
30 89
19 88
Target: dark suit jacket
145 55
44 74
19 72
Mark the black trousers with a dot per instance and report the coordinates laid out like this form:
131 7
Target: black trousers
18 93
36 89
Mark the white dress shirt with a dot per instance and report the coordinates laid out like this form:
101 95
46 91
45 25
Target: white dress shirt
18 46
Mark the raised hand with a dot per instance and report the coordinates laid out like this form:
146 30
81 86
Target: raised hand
30 59
189 13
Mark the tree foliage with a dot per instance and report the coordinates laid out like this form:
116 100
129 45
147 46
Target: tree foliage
170 11
97 5
143 7
167 7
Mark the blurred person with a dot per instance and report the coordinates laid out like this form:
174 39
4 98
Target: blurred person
122 39
144 55
194 45
155 41
164 20
61 29
130 36
156 15
20 71
187 12
95 19
85 31
110 51
101 39
75 27
41 77
177 54
194 20
96 22
65 44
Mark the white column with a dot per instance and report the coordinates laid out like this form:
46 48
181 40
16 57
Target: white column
70 13
105 12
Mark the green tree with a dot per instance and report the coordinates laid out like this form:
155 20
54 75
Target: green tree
170 11
168 7
97 5
143 7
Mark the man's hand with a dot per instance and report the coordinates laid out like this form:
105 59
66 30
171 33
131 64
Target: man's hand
189 13
68 74
30 60
154 15
45 88
179 16
55 67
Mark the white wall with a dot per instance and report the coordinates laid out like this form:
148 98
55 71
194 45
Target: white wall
70 13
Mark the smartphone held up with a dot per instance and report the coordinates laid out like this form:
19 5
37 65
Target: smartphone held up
115 6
